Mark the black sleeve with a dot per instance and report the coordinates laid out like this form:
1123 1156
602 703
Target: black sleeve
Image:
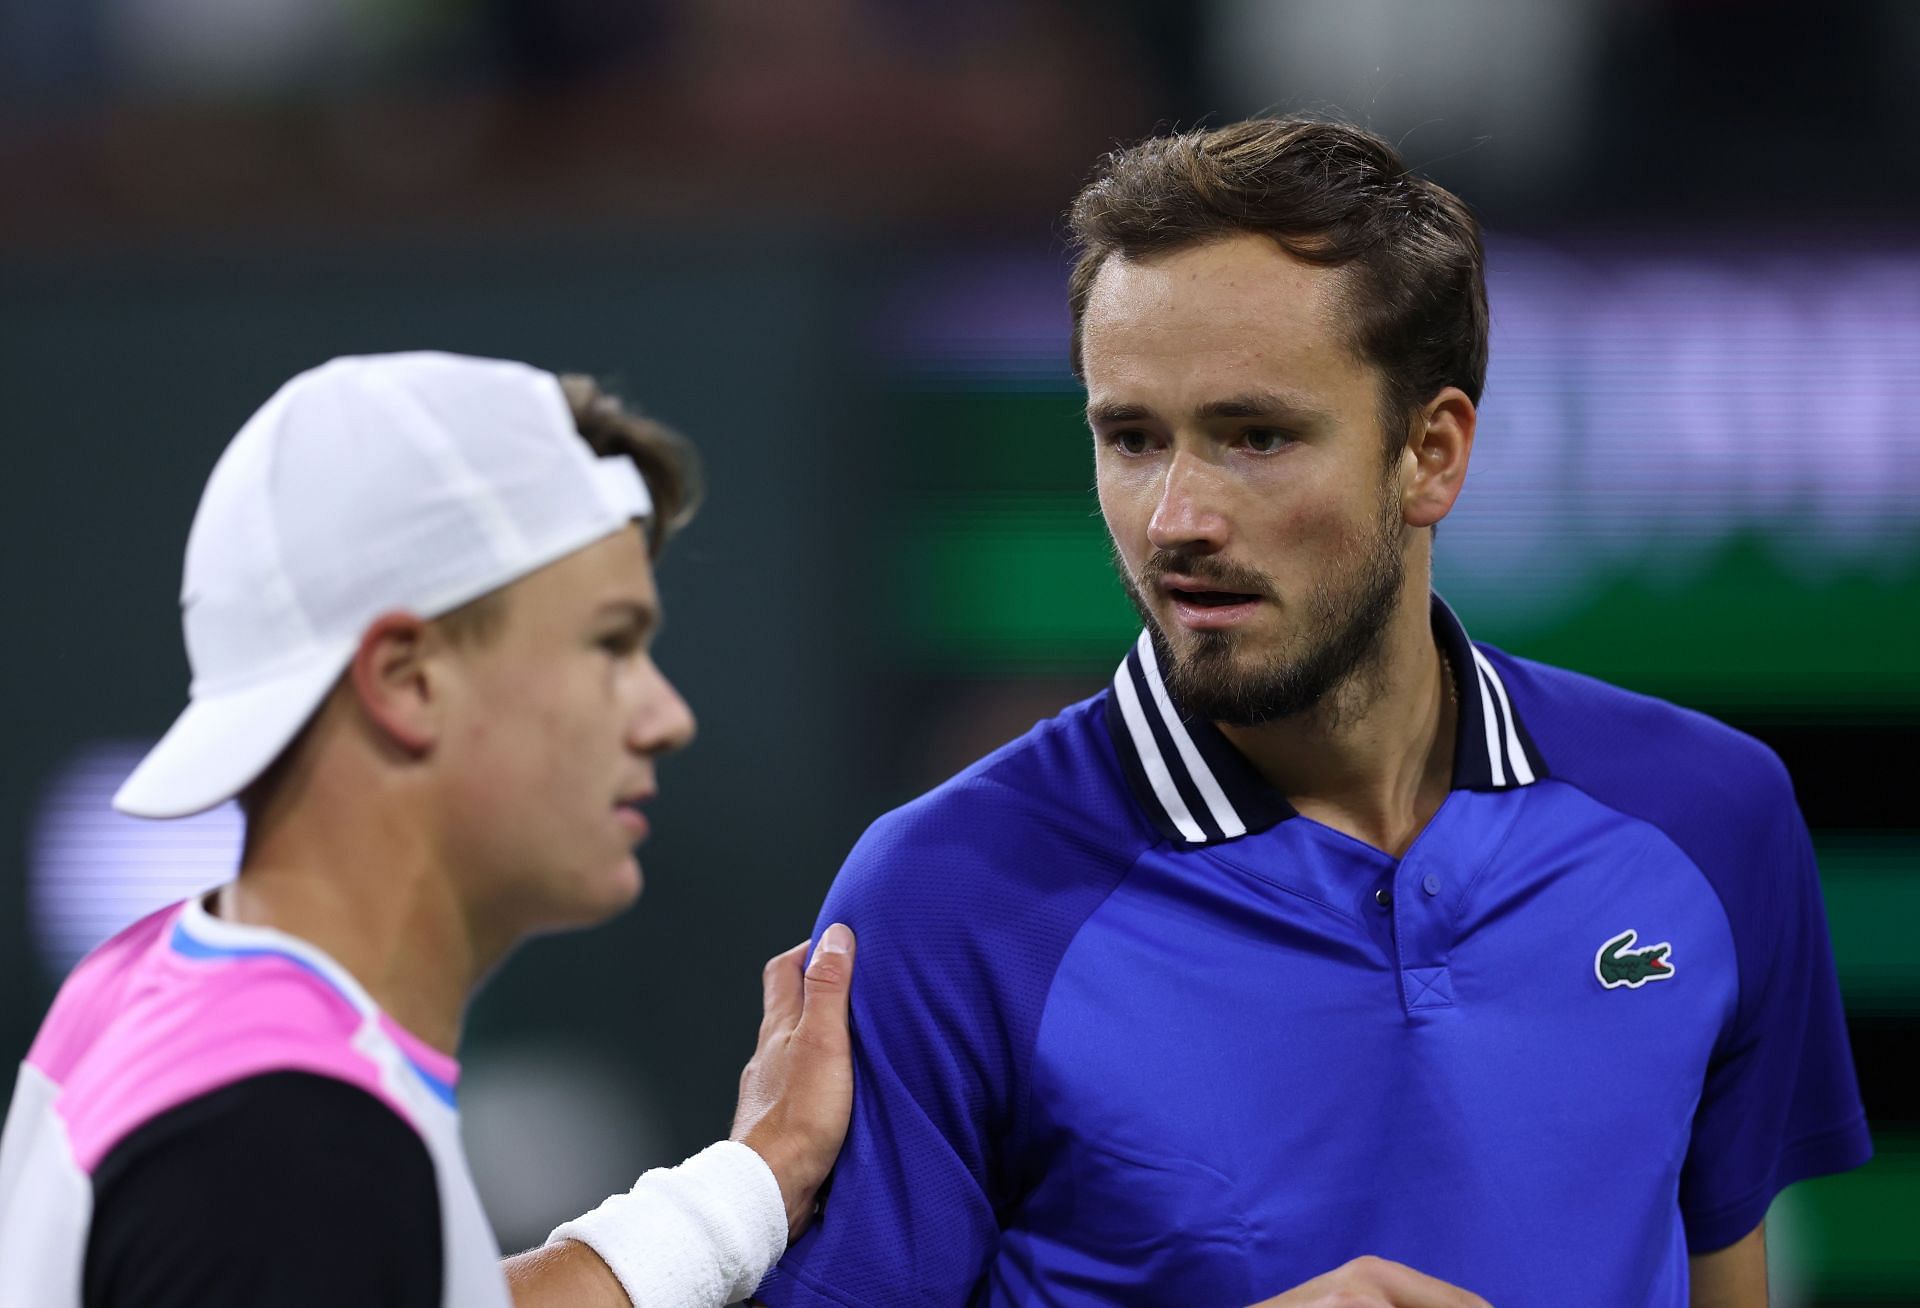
287 1190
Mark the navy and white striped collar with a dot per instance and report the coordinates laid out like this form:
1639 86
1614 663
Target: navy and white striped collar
1199 790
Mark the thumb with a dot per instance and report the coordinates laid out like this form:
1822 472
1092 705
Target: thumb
829 980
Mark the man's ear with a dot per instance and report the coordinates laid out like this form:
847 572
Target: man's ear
1438 448
396 681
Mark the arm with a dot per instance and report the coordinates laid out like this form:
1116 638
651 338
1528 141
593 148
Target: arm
1779 1102
565 1274
688 1229
1733 1277
964 901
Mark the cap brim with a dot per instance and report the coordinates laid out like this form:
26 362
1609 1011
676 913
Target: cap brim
222 742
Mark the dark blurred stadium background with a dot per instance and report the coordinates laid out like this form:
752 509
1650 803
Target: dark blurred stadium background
823 238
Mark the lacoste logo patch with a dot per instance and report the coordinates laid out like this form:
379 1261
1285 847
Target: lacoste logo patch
1619 964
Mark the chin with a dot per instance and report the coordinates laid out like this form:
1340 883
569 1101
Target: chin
622 887
1238 649
595 897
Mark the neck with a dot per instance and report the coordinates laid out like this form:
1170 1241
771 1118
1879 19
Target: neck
1375 759
360 882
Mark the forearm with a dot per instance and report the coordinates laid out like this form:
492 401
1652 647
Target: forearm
1734 1277
566 1274
698 1235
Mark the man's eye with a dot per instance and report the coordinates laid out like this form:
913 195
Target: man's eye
1265 440
620 644
1129 442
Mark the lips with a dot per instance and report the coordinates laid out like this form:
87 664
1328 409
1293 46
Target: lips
627 812
1232 588
1202 605
1209 598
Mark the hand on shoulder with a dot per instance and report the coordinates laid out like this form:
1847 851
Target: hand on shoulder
796 1093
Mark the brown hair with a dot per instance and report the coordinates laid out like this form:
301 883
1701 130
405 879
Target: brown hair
1326 192
666 459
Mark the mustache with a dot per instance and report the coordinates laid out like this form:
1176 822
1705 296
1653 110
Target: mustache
1216 573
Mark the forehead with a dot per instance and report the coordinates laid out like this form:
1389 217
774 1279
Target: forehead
613 568
1214 319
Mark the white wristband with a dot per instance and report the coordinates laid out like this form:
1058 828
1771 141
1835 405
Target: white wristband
699 1235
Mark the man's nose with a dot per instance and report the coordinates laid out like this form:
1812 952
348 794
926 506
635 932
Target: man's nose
1190 511
662 722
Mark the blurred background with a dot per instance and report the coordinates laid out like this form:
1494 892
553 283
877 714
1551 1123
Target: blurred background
824 239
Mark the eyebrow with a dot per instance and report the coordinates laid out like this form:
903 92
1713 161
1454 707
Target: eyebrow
645 618
1249 404
1112 413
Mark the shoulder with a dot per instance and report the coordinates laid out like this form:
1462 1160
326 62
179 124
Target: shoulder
1038 816
965 900
1722 797
184 1029
97 988
1646 756
270 1179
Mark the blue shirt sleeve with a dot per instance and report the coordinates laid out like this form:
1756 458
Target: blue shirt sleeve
963 904
1781 1102
907 1213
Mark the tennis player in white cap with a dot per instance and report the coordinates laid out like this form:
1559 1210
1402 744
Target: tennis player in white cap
418 604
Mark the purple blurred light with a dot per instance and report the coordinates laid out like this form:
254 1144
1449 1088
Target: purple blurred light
92 871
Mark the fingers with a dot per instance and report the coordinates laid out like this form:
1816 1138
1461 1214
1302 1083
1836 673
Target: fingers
829 981
1378 1283
781 994
788 993
1406 1288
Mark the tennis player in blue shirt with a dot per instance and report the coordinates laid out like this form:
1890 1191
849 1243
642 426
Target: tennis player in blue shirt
1326 953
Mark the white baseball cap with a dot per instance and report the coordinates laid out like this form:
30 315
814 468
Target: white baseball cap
412 482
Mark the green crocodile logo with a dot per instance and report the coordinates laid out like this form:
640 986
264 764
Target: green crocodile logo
1619 964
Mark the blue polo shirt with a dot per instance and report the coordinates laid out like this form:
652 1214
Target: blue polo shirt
1129 1030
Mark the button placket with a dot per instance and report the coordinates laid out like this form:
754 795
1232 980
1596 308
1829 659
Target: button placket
1424 929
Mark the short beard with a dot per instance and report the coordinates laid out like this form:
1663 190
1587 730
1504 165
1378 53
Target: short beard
1343 621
